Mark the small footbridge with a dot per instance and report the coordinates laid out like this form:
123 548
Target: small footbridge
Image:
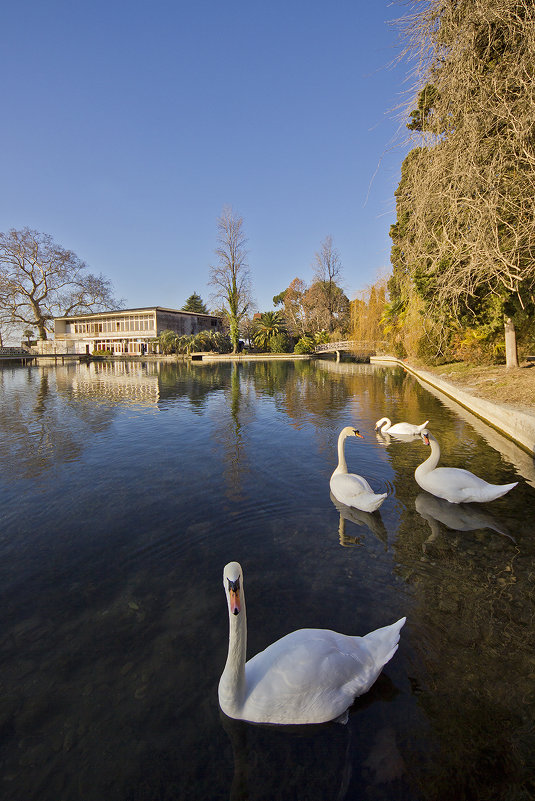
360 349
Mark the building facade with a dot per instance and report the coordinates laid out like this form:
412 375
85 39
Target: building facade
128 331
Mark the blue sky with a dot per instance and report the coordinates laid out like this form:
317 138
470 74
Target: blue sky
127 126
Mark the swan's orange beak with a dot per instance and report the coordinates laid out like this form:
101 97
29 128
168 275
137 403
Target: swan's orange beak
357 433
235 605
425 438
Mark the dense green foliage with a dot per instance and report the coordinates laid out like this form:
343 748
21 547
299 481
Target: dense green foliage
280 343
265 327
305 344
170 342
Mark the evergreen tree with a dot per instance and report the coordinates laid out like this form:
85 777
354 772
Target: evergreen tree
195 304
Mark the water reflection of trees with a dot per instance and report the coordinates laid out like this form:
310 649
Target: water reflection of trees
377 390
116 623
229 428
38 429
191 380
473 605
473 612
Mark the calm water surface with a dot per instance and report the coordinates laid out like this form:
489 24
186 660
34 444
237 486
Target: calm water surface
125 488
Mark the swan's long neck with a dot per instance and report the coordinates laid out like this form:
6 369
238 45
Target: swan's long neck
385 424
232 682
431 461
342 464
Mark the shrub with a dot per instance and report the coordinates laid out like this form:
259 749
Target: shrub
304 345
279 343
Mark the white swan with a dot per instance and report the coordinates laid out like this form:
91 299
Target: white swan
405 429
453 483
308 676
349 488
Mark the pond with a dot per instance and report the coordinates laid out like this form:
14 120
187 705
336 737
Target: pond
126 487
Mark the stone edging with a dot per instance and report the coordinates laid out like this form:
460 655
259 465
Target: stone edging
517 425
252 357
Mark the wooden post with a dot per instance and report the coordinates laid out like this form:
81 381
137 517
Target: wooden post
511 354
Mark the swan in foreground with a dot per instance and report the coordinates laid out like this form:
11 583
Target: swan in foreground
405 429
349 488
308 676
453 483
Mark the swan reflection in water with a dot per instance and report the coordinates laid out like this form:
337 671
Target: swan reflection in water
323 760
385 438
455 516
371 520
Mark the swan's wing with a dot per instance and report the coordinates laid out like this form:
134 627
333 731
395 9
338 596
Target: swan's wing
349 484
452 479
311 675
461 486
402 428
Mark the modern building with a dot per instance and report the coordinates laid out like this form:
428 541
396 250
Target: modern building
129 331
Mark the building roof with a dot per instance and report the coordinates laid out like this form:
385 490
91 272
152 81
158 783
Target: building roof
134 311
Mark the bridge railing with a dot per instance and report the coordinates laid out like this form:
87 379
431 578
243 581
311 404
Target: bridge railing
349 344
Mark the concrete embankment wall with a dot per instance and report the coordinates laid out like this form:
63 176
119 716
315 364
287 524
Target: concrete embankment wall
515 424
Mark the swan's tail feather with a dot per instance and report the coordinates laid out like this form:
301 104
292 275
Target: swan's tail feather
383 643
377 501
423 426
505 488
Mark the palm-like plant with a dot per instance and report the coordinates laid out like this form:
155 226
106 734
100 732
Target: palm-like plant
265 327
168 341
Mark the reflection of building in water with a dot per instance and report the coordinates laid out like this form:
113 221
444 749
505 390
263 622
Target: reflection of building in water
116 382
125 331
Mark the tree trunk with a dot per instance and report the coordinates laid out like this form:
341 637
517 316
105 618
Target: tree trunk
511 354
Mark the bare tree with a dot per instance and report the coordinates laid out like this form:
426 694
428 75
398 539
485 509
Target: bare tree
230 277
467 197
327 272
40 280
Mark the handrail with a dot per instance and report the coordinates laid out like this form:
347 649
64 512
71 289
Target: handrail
347 344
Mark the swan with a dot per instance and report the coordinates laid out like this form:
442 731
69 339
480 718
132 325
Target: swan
453 483
405 429
308 676
349 488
